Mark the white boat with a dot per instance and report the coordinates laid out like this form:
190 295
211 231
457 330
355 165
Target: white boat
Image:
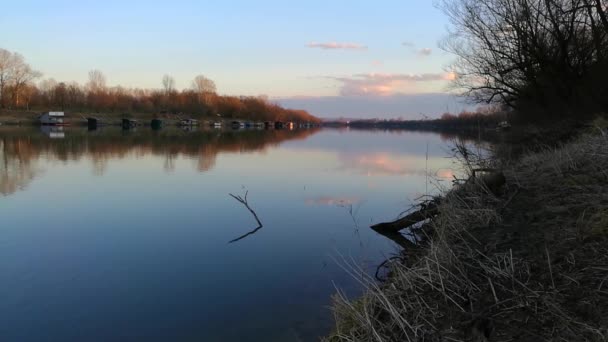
52 119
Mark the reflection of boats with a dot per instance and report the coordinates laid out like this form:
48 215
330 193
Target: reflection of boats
52 119
156 123
53 132
188 122
105 144
129 123
188 128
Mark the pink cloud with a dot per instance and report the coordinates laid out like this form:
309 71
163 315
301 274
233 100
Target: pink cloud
333 201
383 84
336 46
373 164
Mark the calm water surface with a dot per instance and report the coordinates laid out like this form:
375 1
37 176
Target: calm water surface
120 236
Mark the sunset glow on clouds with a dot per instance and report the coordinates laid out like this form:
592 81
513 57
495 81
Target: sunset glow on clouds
384 84
381 163
333 201
337 46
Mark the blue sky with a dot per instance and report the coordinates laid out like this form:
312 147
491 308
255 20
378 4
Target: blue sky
305 49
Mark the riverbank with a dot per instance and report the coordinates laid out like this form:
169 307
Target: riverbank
529 263
31 118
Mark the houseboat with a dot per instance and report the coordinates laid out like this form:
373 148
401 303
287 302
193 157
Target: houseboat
52 119
156 123
268 124
188 122
94 123
237 124
216 124
129 123
279 125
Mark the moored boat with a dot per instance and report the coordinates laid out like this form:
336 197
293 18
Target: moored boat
188 122
156 123
52 119
129 123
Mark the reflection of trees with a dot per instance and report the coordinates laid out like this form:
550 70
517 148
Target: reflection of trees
15 172
21 148
206 159
100 164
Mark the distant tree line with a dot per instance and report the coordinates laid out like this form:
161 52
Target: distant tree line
18 90
545 58
483 118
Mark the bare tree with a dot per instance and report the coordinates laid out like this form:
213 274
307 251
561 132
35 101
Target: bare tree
22 76
46 88
7 63
520 52
97 81
168 84
202 84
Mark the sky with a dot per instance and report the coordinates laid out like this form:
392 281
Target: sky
328 57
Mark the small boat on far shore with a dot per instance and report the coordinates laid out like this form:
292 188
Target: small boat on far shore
156 124
237 124
188 122
129 123
52 119
94 123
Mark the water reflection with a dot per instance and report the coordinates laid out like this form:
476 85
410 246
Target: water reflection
17 169
21 148
117 247
53 132
333 201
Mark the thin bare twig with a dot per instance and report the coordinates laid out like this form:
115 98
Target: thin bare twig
243 200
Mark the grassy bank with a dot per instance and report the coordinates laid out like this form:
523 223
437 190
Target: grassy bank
527 264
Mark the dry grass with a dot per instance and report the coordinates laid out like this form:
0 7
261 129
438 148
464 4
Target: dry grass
529 265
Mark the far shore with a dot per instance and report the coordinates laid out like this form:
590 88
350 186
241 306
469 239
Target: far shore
30 118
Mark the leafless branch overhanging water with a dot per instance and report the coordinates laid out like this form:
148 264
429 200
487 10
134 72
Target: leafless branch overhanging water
243 200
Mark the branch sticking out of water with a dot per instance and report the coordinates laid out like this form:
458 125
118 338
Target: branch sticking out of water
243 200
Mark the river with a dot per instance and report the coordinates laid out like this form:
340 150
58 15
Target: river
126 235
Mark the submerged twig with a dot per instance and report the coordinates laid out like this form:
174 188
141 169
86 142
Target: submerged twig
243 200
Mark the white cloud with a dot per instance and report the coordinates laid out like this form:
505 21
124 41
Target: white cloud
425 52
336 46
